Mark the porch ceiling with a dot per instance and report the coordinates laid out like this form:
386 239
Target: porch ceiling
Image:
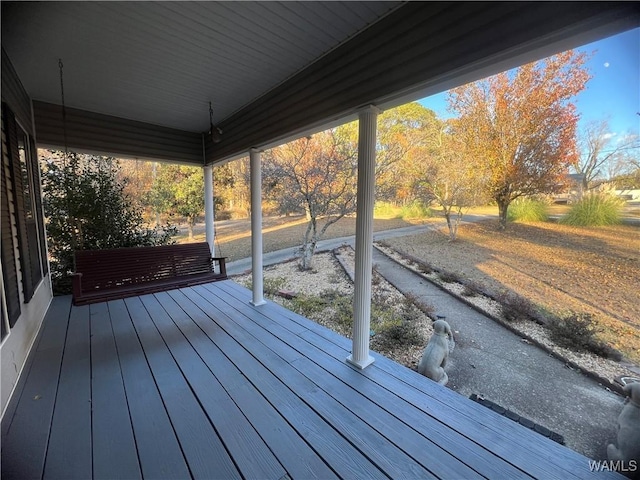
162 62
273 70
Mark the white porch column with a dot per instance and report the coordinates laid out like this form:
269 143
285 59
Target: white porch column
256 227
208 208
364 237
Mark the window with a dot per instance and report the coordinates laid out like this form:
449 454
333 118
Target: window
23 243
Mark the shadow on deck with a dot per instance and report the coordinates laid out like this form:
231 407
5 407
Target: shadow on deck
197 383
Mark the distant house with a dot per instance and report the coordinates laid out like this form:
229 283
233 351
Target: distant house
574 189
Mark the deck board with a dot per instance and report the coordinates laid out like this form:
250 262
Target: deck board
251 454
300 460
392 460
205 453
112 432
69 453
198 383
158 447
345 459
24 445
431 456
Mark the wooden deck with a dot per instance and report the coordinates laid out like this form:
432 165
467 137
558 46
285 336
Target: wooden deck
198 383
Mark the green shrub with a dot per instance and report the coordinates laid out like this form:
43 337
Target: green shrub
527 210
272 286
594 210
398 334
341 307
415 209
307 306
87 208
578 332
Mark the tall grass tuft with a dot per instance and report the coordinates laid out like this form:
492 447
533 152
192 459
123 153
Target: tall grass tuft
386 210
415 209
527 210
594 210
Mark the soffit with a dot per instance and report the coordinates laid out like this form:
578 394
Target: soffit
162 62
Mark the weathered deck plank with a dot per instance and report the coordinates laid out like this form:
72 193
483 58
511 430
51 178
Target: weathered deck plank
251 454
112 435
198 383
158 448
24 446
205 453
69 453
431 456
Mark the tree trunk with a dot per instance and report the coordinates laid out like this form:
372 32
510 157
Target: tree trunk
452 224
308 249
503 206
190 224
452 233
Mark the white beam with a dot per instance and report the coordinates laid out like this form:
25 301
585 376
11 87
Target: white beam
367 126
208 208
256 227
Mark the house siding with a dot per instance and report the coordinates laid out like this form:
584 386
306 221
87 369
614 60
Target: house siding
95 133
14 94
26 289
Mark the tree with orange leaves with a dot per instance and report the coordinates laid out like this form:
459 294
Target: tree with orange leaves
318 174
521 126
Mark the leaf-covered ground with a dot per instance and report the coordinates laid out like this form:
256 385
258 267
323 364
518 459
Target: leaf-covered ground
234 236
560 268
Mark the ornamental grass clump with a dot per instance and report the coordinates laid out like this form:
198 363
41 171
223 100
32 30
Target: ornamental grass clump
594 210
528 210
415 209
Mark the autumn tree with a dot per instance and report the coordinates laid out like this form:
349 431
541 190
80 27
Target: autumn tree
604 155
443 174
235 188
522 125
318 174
179 189
401 131
224 184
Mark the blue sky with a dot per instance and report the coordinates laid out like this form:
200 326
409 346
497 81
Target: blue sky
613 92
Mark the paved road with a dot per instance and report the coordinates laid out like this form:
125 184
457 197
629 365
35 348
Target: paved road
244 265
